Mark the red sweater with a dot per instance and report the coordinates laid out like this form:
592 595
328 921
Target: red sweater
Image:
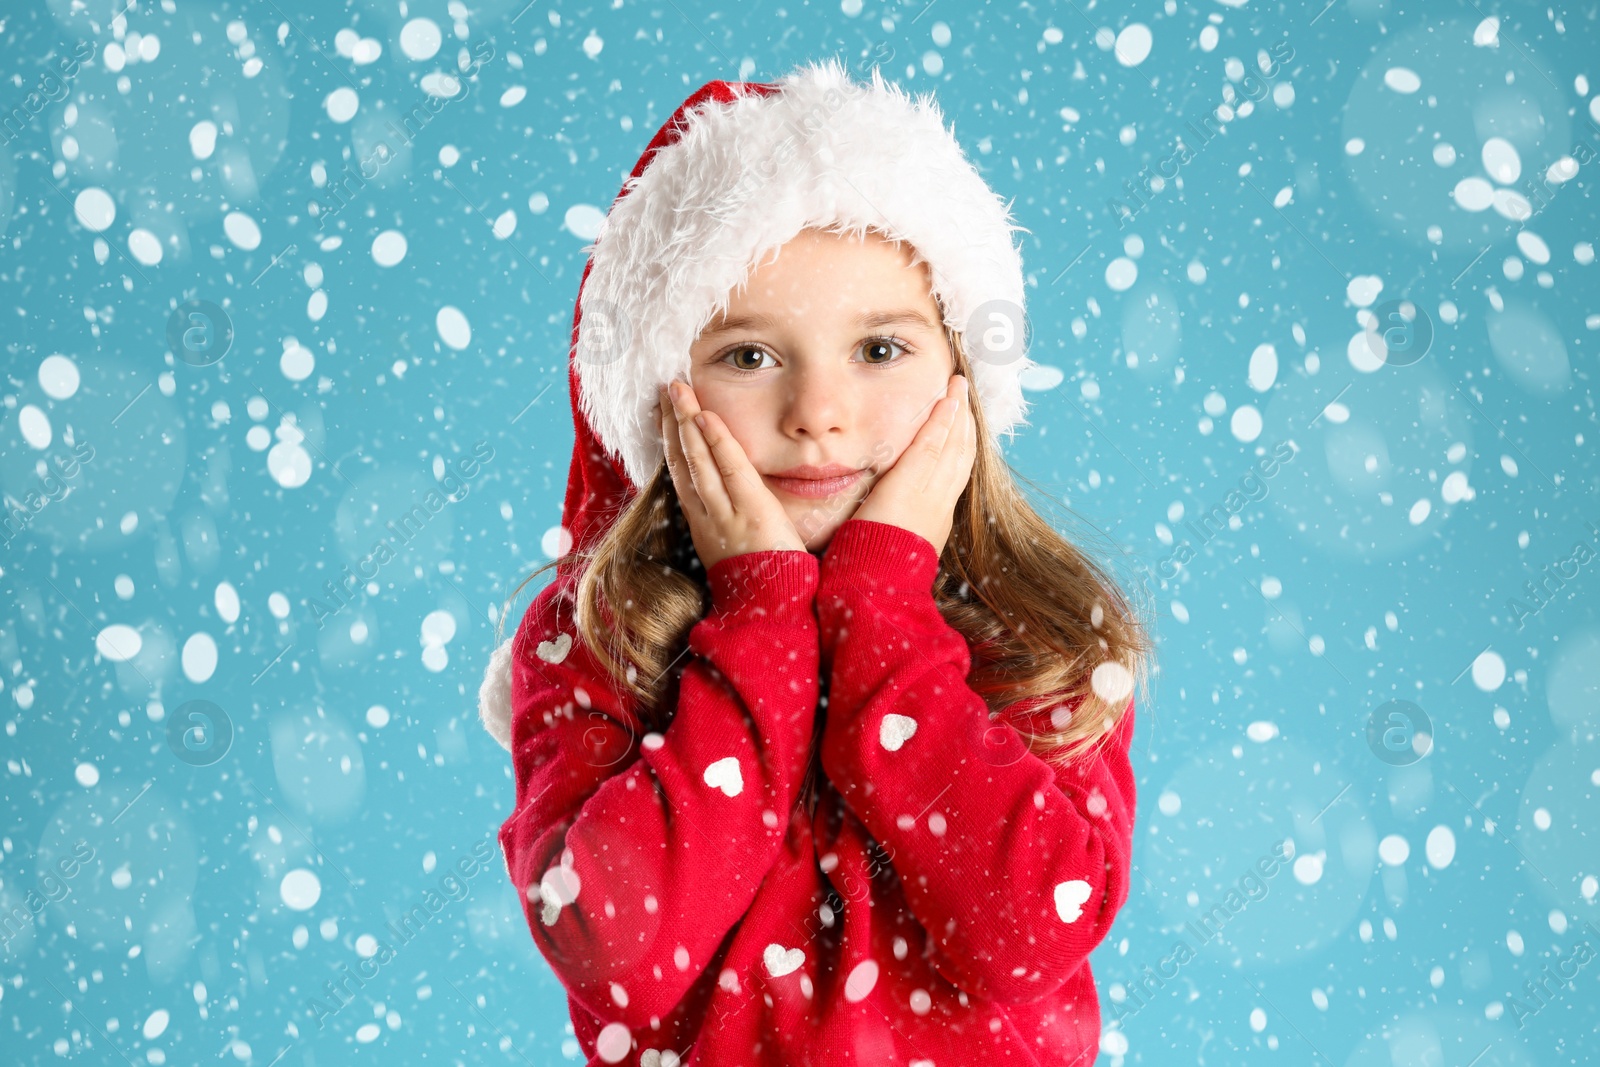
935 908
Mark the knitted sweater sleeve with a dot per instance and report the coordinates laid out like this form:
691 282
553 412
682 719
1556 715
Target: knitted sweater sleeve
636 855
1014 869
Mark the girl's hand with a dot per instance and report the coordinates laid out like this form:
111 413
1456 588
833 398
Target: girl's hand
920 491
729 508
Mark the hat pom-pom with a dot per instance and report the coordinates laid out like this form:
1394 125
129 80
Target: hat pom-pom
494 696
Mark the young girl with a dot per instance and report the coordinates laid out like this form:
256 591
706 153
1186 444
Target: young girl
820 732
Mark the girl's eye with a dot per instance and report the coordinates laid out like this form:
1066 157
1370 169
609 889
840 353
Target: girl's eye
880 352
745 350
882 344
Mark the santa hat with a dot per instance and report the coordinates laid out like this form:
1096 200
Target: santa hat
737 171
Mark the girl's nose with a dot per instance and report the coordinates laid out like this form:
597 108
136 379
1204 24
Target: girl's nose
815 403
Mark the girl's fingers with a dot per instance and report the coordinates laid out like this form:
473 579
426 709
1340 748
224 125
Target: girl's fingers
937 435
969 437
704 470
737 474
677 466
967 425
956 452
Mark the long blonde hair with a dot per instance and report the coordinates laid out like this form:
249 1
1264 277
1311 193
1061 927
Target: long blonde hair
1046 624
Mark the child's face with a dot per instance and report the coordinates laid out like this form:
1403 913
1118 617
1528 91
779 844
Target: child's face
820 385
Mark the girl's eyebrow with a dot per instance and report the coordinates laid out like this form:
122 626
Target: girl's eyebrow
896 317
869 320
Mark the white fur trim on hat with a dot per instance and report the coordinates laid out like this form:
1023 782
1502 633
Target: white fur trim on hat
494 696
742 180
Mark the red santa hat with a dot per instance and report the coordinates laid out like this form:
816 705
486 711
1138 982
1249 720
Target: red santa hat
737 171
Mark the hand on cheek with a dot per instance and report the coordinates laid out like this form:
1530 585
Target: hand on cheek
729 509
920 491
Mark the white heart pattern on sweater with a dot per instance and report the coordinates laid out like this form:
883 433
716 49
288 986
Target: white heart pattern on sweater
658 1058
896 730
1070 897
780 961
555 651
724 775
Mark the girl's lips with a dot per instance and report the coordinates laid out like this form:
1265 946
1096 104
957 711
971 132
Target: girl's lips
815 488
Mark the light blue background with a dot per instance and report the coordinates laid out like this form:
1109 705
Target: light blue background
1379 563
